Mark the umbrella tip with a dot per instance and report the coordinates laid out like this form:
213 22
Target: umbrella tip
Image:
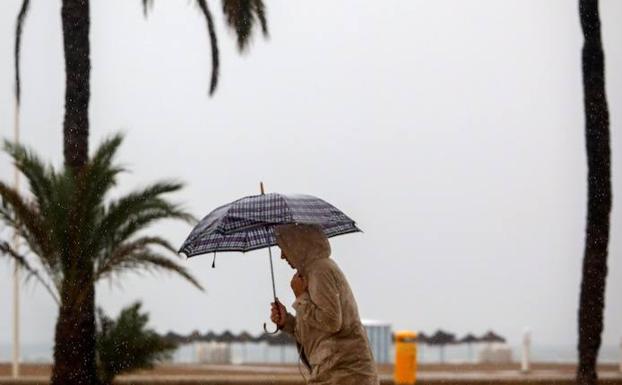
261 188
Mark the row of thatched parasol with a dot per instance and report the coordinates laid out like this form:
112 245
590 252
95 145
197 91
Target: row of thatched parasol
229 337
440 338
443 338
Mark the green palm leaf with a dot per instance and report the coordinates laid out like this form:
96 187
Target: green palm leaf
69 224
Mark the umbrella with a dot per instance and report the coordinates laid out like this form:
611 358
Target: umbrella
174 337
226 337
442 338
492 337
210 337
469 339
422 338
249 223
244 337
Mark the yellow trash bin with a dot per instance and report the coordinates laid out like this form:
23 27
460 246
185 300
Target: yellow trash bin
405 372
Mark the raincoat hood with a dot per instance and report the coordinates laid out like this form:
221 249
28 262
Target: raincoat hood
302 244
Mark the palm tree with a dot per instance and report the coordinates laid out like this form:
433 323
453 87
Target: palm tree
125 344
241 15
76 236
592 297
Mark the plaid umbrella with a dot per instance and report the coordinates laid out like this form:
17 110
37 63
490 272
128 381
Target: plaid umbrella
248 223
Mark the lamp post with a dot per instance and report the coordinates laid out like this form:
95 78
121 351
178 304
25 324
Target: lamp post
526 351
16 345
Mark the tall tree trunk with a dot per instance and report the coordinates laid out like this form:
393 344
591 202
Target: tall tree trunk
76 26
592 297
74 342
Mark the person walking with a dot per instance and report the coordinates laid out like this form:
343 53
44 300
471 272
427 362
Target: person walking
328 330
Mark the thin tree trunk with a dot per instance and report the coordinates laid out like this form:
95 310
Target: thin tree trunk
74 344
592 297
76 26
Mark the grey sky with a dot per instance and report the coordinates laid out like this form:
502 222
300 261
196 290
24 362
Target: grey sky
452 131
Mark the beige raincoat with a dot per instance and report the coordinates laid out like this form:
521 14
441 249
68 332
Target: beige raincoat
327 323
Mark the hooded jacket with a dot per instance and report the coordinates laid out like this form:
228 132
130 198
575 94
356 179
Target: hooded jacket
327 323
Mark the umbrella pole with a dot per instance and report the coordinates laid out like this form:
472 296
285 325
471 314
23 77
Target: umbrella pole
276 300
272 275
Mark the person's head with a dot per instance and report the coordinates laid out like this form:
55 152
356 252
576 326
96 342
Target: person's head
301 244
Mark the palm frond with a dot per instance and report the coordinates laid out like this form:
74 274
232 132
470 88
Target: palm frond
105 152
136 210
260 11
21 17
135 223
108 260
213 45
35 170
48 262
25 218
126 344
147 6
7 250
145 261
51 193
241 15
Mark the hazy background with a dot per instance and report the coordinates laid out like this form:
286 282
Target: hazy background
452 131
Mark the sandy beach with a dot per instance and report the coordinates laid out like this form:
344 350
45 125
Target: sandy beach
463 374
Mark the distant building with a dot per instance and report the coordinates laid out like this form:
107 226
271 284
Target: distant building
379 334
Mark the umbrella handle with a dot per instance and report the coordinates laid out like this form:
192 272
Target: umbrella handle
265 329
265 326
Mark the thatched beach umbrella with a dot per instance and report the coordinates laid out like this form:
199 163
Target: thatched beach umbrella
195 336
244 338
210 337
492 337
226 337
264 337
174 338
441 338
469 339
422 338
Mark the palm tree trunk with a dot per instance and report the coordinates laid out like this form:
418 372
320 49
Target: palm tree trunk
592 297
76 26
74 342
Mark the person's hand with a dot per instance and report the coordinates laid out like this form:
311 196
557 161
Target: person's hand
278 315
298 284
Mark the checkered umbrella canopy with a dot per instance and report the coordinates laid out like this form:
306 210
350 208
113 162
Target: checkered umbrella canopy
248 223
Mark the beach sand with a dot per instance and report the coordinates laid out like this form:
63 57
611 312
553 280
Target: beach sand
463 374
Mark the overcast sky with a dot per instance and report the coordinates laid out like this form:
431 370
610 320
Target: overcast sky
452 131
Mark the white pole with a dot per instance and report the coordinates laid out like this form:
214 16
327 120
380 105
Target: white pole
16 352
620 355
525 365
